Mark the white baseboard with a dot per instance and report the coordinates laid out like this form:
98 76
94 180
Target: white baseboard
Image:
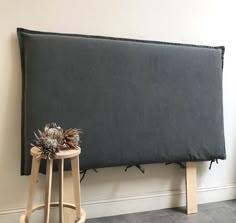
156 201
147 202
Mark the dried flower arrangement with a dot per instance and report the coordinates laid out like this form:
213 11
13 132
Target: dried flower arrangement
53 139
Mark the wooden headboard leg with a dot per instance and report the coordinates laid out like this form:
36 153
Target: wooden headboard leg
191 187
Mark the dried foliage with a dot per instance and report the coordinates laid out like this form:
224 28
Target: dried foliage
53 139
72 139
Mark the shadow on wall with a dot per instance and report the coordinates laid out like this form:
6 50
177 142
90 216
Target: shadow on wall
10 149
11 110
114 182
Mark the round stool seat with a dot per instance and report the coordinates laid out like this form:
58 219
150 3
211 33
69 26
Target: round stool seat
63 154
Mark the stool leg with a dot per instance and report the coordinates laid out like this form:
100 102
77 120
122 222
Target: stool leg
32 186
76 184
61 182
48 190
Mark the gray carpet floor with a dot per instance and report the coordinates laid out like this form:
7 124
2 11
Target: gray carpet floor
219 212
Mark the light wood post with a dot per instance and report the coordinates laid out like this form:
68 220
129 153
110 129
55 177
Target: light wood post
76 184
61 188
191 187
48 190
32 186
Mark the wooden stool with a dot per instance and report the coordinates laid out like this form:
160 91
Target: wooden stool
74 156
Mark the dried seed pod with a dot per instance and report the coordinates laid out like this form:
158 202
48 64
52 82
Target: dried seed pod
49 141
53 139
72 138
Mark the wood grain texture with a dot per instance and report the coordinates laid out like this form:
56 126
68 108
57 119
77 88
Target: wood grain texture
191 187
61 189
48 190
76 184
32 186
63 154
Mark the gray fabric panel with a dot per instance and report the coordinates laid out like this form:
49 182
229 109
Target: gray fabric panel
137 102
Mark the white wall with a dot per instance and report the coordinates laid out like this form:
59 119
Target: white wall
111 191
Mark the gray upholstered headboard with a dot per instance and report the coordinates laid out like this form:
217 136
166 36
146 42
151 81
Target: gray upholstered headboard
137 102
